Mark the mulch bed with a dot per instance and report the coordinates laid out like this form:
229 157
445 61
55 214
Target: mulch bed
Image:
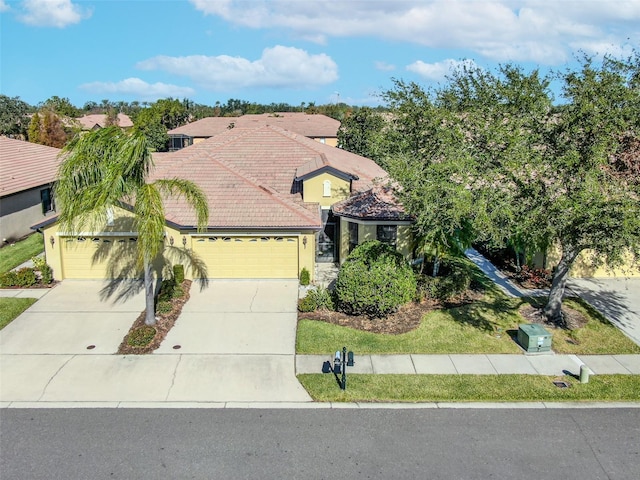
571 319
164 323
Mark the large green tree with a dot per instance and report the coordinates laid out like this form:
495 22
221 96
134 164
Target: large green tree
14 117
490 151
107 168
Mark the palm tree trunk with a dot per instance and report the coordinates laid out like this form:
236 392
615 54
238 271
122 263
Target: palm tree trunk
553 309
150 315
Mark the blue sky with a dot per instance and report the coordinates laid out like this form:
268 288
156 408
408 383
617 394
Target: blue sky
292 51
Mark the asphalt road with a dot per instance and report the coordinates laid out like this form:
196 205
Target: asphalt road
320 444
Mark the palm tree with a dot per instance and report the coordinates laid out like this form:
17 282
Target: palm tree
107 168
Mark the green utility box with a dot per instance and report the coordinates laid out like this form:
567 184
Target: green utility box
534 338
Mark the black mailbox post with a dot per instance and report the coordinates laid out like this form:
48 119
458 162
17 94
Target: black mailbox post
341 360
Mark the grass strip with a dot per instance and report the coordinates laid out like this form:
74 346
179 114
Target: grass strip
15 254
486 326
10 308
470 388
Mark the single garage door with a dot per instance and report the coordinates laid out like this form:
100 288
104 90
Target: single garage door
248 257
98 257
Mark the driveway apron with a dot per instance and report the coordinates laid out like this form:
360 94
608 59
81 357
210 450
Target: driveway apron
236 338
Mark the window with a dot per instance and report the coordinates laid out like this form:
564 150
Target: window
388 234
353 236
326 188
47 201
110 217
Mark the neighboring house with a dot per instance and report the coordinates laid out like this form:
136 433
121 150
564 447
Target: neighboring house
318 127
27 171
98 120
270 192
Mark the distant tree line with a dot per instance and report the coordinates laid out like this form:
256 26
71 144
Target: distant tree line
53 122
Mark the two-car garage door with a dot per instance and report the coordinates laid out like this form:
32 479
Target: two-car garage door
223 256
248 256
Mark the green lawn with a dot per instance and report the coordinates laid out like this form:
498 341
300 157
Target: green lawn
10 308
469 388
15 254
486 326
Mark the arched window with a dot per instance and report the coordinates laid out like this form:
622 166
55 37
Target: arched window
326 188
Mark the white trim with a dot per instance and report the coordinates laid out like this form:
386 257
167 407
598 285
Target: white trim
263 233
97 234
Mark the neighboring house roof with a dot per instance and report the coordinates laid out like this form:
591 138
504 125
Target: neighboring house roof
248 176
377 203
89 122
313 126
25 165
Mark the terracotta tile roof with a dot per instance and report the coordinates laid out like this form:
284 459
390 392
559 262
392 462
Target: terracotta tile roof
377 203
312 126
248 175
25 165
88 122
205 127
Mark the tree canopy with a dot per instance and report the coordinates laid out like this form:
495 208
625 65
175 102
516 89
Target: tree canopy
490 156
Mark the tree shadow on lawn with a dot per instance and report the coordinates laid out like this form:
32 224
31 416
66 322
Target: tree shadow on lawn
486 314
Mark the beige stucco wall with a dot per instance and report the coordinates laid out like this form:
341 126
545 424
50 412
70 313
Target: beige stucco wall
313 189
583 266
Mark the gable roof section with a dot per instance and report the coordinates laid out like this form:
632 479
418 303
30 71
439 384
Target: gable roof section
313 126
239 197
25 165
88 122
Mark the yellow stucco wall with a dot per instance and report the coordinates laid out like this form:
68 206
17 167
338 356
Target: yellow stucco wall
583 266
313 189
370 232
331 141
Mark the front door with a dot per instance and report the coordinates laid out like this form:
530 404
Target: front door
327 238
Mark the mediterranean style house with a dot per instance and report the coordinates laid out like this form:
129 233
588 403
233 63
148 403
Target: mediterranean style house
278 201
27 172
318 127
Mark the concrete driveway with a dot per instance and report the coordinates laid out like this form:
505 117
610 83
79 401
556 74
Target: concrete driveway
618 299
236 344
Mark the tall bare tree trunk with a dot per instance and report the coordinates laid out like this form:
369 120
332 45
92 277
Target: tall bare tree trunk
150 315
553 309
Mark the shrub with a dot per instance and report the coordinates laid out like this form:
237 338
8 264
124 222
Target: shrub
307 304
317 299
178 274
26 277
8 279
164 306
141 336
455 278
305 276
46 273
374 280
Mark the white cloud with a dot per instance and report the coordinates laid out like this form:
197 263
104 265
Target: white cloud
52 13
504 30
138 88
439 70
278 67
384 66
4 7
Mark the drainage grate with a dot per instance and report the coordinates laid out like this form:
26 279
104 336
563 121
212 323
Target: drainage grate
91 347
561 384
177 347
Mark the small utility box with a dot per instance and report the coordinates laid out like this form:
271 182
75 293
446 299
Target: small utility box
534 338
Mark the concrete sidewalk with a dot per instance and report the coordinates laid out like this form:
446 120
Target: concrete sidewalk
499 364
